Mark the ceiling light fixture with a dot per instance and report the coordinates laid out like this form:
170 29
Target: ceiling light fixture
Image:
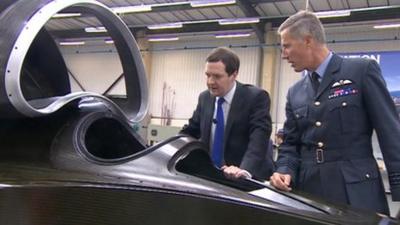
144 8
95 29
386 26
200 21
131 9
166 38
109 41
71 43
165 26
336 13
66 15
238 21
232 35
205 3
169 4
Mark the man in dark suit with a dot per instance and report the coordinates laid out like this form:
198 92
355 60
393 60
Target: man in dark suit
246 123
330 115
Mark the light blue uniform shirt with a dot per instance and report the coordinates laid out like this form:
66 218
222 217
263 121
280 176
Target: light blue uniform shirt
322 68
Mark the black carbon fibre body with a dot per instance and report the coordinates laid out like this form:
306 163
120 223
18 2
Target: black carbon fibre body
74 158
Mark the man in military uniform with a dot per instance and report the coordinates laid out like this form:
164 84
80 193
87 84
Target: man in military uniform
330 115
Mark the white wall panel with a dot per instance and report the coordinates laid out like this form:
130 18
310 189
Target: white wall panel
285 79
95 71
178 65
363 38
182 71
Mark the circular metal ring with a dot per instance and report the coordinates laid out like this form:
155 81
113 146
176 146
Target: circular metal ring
132 65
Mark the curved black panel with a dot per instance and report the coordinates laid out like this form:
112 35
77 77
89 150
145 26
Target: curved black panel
30 139
5 3
107 206
10 27
198 163
44 72
107 139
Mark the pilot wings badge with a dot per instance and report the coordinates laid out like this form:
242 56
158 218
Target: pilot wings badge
341 83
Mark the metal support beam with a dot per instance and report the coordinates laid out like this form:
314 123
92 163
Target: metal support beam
249 11
113 84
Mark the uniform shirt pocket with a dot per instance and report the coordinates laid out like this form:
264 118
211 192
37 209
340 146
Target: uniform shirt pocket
301 116
360 170
363 184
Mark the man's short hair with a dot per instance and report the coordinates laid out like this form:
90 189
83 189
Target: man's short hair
227 57
304 23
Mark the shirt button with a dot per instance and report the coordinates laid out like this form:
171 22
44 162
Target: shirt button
344 104
318 124
320 144
367 176
317 103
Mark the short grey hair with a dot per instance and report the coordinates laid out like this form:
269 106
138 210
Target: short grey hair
304 23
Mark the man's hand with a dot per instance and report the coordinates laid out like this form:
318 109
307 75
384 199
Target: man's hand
233 172
281 181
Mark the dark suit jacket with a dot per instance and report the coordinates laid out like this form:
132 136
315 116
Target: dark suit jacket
337 124
247 130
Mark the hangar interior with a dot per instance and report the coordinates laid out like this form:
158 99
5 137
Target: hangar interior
175 37
173 56
76 157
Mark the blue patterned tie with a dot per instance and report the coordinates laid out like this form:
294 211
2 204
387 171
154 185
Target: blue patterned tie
218 135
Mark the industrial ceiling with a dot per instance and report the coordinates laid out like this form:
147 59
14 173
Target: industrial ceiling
207 17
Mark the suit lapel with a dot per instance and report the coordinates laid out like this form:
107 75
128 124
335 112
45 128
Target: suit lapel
237 101
209 105
333 67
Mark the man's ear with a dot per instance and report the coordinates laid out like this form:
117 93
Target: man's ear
309 40
234 74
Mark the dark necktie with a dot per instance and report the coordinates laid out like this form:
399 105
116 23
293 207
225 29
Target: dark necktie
218 135
315 81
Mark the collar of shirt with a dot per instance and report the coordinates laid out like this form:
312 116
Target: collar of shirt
226 106
322 67
229 96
